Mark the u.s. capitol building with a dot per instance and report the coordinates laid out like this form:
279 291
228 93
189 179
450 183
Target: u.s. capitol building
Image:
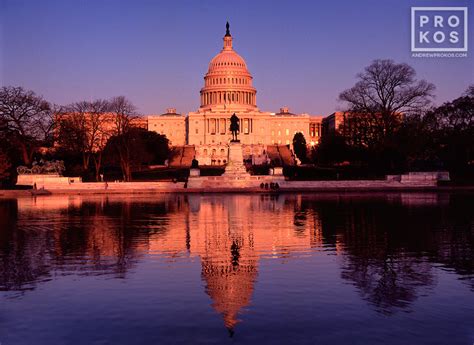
228 89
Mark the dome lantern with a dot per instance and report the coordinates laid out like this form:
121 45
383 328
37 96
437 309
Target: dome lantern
227 38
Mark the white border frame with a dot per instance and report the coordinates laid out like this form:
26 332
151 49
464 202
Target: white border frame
414 9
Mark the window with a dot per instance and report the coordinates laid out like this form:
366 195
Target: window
197 131
246 126
212 129
288 131
222 126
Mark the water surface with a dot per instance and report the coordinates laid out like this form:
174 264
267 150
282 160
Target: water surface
277 269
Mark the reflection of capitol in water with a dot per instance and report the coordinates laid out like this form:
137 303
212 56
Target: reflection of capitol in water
386 244
230 235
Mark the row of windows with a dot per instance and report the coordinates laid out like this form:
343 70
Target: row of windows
220 126
287 132
314 130
279 142
174 124
228 64
213 127
214 151
220 81
170 134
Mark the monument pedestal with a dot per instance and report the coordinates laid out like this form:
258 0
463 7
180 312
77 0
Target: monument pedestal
277 171
235 175
194 172
235 165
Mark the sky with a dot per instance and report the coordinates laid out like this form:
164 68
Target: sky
302 54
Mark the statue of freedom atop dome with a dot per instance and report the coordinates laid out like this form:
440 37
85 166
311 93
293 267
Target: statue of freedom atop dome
234 127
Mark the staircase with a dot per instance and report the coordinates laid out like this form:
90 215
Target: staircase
280 155
182 156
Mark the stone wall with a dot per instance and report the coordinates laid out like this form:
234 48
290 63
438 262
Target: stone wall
420 176
43 180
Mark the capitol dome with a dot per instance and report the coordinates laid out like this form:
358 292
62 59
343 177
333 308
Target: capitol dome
228 83
226 60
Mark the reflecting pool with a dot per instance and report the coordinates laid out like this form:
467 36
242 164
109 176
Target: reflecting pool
393 268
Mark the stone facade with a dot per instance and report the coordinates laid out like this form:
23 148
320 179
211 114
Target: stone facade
171 124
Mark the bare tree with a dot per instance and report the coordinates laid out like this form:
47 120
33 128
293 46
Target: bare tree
384 92
71 130
85 127
125 113
27 119
101 129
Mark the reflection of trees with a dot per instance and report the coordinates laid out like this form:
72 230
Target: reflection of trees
23 256
389 281
388 243
388 247
455 238
96 237
376 242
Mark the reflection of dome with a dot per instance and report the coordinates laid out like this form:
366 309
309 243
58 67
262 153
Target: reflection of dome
228 82
230 272
230 288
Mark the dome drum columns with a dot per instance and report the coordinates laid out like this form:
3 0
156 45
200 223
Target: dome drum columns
228 97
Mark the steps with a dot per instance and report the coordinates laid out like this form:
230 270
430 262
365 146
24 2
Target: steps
280 155
182 156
